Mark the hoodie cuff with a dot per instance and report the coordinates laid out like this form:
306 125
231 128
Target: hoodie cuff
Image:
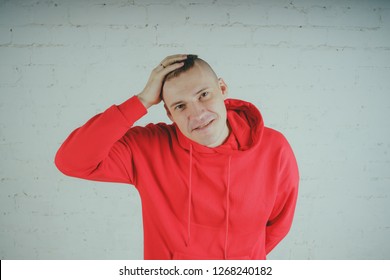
132 109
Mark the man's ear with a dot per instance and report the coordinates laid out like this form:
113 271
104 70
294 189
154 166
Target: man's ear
168 113
223 87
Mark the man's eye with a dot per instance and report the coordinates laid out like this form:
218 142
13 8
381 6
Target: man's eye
179 107
204 94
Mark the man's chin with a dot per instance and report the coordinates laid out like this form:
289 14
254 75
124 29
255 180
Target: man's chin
208 143
207 140
202 142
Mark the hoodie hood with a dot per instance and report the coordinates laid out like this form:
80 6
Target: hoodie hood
246 128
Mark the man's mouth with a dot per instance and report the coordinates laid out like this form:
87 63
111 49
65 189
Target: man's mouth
204 125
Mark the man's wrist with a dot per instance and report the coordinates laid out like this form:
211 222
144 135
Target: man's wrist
146 104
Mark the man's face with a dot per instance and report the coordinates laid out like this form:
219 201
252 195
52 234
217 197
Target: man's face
195 102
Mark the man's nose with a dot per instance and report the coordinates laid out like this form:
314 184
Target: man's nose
195 111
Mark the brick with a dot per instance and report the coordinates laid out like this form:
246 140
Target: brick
5 35
70 35
29 35
331 57
72 55
343 16
13 15
231 36
94 14
49 55
290 36
231 57
385 18
332 78
346 38
11 55
131 36
207 14
97 35
37 76
49 13
271 36
248 14
373 78
70 76
308 36
166 14
204 36
286 16
149 2
9 75
276 57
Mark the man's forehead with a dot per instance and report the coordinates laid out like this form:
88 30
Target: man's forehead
186 90
188 82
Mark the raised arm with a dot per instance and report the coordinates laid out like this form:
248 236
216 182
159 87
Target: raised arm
99 150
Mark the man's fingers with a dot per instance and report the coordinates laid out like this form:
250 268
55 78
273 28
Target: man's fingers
173 59
173 67
170 64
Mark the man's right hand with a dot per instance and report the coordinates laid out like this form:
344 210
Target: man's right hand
151 94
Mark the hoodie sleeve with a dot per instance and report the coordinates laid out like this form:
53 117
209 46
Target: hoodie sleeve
281 217
98 150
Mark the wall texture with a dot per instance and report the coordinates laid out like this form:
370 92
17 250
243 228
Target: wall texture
318 70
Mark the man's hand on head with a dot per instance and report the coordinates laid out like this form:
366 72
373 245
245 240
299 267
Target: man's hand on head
151 94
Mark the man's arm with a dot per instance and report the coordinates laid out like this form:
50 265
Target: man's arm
281 217
98 150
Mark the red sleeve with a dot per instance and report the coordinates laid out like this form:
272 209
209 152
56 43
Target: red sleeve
97 150
281 217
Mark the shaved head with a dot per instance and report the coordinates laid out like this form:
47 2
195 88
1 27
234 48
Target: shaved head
189 63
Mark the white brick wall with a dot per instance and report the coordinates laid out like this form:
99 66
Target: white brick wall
318 70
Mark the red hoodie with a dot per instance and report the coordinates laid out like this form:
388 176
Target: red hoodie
235 201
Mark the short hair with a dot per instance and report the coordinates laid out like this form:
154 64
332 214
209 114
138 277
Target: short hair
189 62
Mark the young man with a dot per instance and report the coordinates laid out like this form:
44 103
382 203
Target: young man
215 184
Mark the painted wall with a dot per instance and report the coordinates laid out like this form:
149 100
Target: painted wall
319 71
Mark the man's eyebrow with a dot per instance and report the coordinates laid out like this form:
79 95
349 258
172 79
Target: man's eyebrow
199 91
176 103
180 101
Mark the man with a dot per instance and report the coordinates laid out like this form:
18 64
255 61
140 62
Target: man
215 184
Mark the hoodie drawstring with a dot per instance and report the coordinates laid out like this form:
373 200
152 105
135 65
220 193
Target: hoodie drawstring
227 203
189 199
227 208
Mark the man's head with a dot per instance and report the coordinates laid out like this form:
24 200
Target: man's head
194 100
